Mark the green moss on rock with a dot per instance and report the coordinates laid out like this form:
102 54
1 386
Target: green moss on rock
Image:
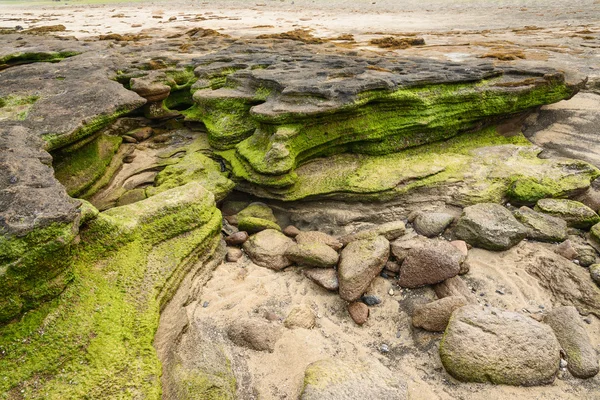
194 166
274 144
96 339
254 225
77 171
34 267
576 214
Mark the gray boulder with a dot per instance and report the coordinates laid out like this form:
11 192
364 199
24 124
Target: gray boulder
489 226
582 360
500 347
267 249
360 262
432 224
577 214
312 255
542 227
334 379
432 262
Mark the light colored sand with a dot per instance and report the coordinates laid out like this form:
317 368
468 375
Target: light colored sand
245 290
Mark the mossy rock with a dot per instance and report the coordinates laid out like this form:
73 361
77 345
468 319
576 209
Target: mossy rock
101 327
542 227
78 170
254 225
577 214
34 267
193 167
258 210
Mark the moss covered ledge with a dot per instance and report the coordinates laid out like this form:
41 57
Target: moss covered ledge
95 339
469 168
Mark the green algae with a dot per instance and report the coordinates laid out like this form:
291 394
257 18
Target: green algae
254 225
33 267
376 123
95 339
79 170
194 166
16 107
31 57
480 166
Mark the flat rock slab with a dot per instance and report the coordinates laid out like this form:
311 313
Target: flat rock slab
568 128
331 379
489 226
582 360
324 277
500 347
360 262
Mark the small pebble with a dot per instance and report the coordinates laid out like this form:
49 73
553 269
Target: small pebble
482 294
384 275
384 348
541 306
587 320
499 291
563 363
391 292
205 304
371 300
398 334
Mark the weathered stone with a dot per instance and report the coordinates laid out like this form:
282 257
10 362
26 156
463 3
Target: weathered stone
318 237
359 312
401 247
576 214
237 238
152 86
291 231
462 246
594 236
254 334
542 227
489 226
267 249
595 273
338 379
301 316
433 262
312 255
567 250
434 316
392 266
324 277
455 286
360 262
568 283
591 197
582 360
389 230
432 224
479 346
233 254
